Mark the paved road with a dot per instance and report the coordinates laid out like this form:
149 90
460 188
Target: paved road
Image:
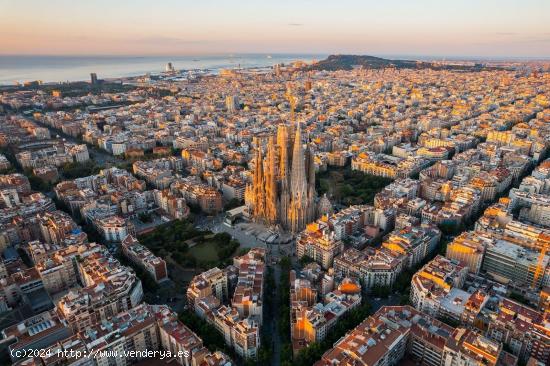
100 157
377 302
169 293
276 338
246 240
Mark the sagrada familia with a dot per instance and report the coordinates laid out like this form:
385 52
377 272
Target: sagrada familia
283 187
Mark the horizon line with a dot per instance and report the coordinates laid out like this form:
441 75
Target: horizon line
326 54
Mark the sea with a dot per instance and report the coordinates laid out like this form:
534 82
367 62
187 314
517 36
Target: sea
17 69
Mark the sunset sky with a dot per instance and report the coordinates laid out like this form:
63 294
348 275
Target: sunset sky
519 28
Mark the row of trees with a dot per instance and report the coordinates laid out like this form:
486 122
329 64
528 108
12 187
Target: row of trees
211 338
36 183
283 321
77 169
349 186
147 281
77 88
266 352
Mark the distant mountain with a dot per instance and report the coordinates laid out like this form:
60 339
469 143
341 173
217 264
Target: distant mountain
348 62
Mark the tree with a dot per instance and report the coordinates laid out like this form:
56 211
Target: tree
286 354
349 186
77 170
171 239
306 260
448 228
210 336
243 251
38 184
381 291
145 217
309 355
285 264
232 203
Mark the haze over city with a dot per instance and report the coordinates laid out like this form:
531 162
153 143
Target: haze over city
467 28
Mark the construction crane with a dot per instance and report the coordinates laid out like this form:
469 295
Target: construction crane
545 244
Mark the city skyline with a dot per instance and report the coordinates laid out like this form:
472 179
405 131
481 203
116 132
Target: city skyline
427 28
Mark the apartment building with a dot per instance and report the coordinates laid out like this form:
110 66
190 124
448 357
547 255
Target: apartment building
213 282
310 320
395 333
375 268
436 289
319 242
144 258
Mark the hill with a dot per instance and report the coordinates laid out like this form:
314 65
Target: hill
348 62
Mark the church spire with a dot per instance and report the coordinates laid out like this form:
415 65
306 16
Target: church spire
298 186
311 194
259 186
271 184
298 181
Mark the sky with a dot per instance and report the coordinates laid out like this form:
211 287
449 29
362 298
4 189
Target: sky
485 28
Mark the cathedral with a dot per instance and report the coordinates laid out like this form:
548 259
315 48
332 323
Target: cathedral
283 185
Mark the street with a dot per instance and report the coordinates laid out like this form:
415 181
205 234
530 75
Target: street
100 157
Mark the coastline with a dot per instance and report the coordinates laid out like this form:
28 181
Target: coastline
60 69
